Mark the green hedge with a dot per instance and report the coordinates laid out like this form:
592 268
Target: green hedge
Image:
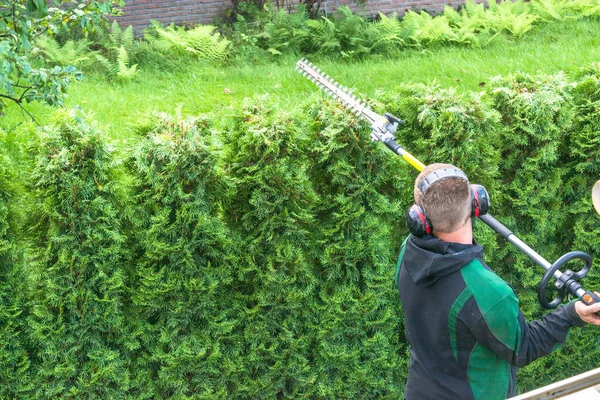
251 254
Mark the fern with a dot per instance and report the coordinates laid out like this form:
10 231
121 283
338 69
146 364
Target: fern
549 9
165 39
323 36
119 68
584 8
468 29
429 29
520 24
475 12
119 49
202 41
73 52
119 37
392 34
508 16
356 36
124 71
110 67
286 31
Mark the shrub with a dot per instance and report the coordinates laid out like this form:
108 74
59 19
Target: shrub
359 337
14 345
273 211
188 303
76 264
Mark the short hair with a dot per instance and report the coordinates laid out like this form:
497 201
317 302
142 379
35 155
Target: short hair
447 202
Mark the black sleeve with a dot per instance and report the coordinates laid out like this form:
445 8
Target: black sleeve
503 329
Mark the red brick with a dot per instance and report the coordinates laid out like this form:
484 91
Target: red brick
139 12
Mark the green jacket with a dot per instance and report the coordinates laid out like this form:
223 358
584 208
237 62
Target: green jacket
466 333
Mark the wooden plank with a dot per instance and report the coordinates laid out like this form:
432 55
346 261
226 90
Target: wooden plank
563 388
585 394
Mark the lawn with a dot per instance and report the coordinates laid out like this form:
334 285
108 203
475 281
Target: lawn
199 88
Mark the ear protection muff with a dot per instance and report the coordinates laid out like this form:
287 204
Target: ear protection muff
416 220
480 200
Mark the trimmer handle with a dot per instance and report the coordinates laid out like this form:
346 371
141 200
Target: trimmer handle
590 298
567 281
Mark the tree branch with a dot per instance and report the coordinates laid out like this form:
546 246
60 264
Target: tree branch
23 109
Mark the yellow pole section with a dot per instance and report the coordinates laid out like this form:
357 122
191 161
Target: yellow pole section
409 158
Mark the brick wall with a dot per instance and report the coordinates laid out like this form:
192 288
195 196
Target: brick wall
139 12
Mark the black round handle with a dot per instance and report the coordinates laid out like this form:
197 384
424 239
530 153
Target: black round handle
571 276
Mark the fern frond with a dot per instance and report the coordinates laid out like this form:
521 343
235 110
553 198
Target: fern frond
124 71
521 24
171 38
73 52
123 56
434 30
111 68
116 34
203 42
323 35
547 9
128 39
391 34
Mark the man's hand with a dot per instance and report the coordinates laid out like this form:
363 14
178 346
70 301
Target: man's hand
588 313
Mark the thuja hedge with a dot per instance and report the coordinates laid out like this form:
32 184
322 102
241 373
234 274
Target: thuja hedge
252 254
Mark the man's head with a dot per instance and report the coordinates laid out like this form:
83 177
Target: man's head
446 202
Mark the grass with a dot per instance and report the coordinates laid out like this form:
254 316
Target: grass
198 88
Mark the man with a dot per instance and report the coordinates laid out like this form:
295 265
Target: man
466 334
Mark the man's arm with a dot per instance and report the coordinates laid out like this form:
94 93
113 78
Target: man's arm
519 342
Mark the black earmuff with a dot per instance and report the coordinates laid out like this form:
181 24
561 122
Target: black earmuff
417 222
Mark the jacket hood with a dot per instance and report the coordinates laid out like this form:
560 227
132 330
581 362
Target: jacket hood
427 259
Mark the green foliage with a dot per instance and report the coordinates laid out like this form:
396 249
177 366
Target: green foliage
514 17
23 22
560 9
536 112
202 41
348 35
120 44
118 68
273 210
361 205
73 52
254 255
427 29
14 357
443 125
78 280
392 34
584 159
187 299
285 32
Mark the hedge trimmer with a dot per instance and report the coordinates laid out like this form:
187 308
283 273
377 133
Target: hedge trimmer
383 129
